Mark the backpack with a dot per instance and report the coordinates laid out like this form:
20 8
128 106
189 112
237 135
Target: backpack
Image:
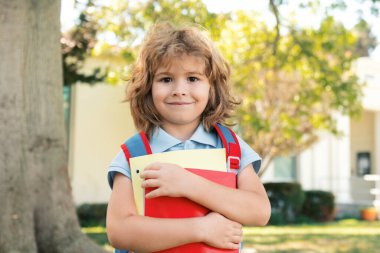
138 145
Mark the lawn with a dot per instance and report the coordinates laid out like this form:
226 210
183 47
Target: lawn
348 236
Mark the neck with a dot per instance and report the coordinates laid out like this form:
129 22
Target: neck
181 132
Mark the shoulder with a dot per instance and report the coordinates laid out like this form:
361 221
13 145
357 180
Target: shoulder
118 165
248 155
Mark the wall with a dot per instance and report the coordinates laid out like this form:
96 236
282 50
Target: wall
100 122
325 165
369 71
362 138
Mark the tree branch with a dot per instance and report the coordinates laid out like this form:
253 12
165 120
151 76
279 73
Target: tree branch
274 9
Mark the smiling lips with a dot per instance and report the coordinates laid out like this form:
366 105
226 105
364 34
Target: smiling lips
180 103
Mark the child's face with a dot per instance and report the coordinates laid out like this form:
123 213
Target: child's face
180 91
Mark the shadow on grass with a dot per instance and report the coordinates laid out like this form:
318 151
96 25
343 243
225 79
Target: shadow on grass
338 237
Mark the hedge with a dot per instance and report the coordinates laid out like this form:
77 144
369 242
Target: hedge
286 201
92 215
290 204
319 205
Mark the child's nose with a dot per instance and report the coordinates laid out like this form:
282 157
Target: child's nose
180 87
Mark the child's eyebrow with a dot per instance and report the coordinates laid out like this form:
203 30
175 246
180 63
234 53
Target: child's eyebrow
195 73
162 73
165 73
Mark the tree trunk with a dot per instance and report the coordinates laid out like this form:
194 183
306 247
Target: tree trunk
37 212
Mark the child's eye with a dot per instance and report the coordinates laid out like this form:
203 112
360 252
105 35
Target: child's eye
166 79
193 79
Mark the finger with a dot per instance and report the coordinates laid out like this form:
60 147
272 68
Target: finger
153 166
149 174
237 225
238 232
150 183
237 239
232 245
153 194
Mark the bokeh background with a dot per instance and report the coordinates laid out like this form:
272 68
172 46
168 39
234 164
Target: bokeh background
308 74
308 77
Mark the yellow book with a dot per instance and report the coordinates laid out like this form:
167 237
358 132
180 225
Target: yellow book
209 159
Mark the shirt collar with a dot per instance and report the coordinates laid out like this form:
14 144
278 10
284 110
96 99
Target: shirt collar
202 136
162 141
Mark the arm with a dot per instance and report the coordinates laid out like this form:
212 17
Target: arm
127 230
247 205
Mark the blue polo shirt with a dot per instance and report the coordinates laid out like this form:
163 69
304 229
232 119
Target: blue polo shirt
161 141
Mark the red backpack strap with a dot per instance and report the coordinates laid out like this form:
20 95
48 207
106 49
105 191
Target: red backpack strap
232 146
137 145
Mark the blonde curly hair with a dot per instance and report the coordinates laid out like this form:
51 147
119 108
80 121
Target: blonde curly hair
163 42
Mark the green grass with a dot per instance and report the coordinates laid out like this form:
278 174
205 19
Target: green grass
346 236
98 234
349 236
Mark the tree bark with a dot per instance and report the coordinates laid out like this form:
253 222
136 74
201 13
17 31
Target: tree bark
37 212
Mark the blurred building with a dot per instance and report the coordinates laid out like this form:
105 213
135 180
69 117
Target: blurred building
100 122
342 164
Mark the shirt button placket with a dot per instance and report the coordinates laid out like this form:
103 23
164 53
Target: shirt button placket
187 145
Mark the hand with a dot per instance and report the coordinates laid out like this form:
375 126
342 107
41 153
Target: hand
169 180
220 232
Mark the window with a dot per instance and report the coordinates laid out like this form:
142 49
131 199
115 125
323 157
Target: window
285 168
363 163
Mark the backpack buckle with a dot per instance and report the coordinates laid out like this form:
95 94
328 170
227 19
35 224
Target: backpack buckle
233 163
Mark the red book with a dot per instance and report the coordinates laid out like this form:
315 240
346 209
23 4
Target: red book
169 207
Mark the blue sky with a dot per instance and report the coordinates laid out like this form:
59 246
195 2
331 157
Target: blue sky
348 17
